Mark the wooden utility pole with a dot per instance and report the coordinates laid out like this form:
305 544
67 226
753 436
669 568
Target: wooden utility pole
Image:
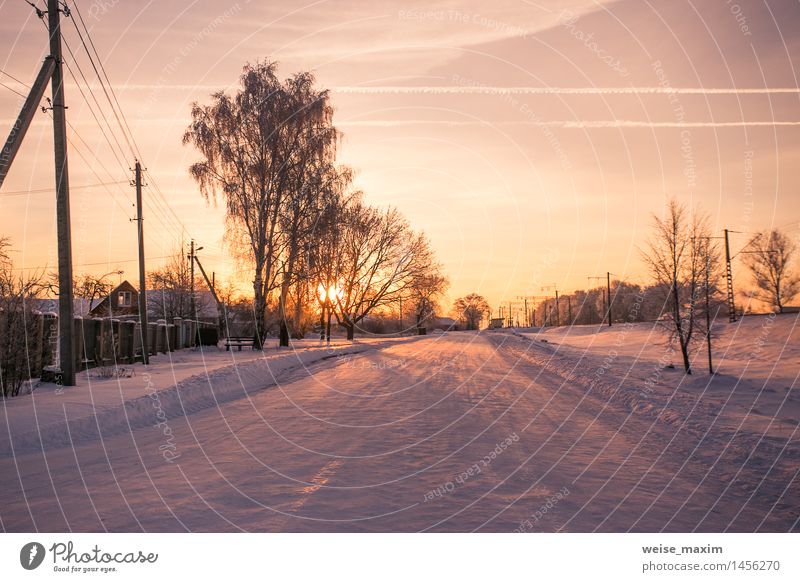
608 294
66 323
142 286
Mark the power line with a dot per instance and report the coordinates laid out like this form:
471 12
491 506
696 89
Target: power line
160 214
94 66
51 190
162 210
12 90
120 117
14 78
97 264
102 113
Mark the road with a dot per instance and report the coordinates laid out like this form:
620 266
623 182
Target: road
456 432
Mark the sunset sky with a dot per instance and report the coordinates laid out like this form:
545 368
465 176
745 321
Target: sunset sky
531 141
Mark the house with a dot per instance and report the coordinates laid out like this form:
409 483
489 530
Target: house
497 322
123 300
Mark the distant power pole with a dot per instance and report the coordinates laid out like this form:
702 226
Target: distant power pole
142 287
569 309
608 291
729 276
66 324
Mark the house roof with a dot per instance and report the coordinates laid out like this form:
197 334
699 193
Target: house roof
103 307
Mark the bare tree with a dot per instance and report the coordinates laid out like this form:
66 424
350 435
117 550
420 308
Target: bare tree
425 292
170 289
770 263
317 188
86 286
378 259
679 253
256 147
17 326
471 310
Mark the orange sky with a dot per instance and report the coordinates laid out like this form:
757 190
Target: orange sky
531 143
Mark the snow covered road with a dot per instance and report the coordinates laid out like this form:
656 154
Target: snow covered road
455 432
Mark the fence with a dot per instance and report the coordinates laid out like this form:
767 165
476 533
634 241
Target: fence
109 341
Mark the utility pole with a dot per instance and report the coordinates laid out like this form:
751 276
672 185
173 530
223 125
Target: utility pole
729 276
66 322
569 309
191 282
525 299
142 286
608 294
211 283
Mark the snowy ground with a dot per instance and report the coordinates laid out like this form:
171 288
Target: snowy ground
498 431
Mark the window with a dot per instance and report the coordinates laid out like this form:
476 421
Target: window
124 299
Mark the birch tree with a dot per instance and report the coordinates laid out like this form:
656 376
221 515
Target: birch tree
679 254
256 145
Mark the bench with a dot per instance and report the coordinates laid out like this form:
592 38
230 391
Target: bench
238 342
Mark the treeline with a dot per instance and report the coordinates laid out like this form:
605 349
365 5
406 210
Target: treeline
629 302
294 220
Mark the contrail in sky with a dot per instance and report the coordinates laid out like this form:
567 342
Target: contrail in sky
600 124
486 90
